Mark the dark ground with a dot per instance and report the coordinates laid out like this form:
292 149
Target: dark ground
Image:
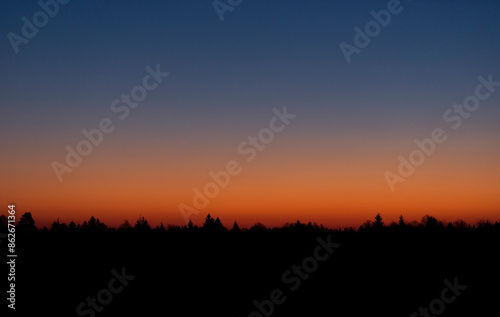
387 272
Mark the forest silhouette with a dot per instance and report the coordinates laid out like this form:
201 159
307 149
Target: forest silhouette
378 269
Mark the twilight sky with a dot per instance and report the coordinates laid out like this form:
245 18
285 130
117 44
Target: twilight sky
353 120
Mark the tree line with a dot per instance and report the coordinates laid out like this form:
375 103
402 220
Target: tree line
26 224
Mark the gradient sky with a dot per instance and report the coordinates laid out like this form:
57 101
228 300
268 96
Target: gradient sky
353 120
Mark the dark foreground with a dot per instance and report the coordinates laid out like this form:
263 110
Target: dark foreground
387 272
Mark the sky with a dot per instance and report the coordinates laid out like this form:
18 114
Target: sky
226 80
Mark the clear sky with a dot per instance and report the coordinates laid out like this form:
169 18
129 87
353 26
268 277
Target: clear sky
353 120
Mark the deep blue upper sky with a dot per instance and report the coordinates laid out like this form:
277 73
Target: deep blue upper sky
263 53
279 51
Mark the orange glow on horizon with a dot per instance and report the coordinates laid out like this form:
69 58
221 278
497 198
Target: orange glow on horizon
336 189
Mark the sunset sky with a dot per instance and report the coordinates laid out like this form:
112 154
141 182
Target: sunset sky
353 120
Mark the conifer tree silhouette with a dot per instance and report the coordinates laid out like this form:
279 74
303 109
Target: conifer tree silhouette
401 222
218 225
236 228
209 223
378 223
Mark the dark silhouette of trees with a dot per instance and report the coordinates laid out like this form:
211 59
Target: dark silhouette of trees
58 227
161 227
173 228
401 222
26 223
413 224
209 223
236 228
142 225
218 225
94 225
365 226
191 227
406 255
460 224
3 222
258 227
378 224
449 227
428 223
485 224
213 225
125 225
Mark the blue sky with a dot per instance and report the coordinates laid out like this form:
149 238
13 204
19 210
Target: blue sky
225 77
